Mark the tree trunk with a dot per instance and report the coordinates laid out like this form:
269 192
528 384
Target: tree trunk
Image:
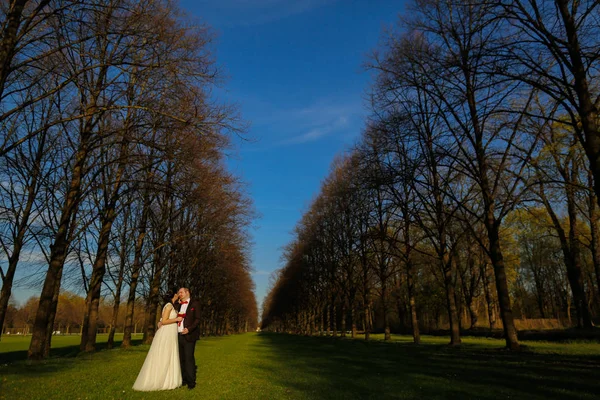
386 322
154 295
539 292
334 319
321 327
510 331
343 312
119 283
328 321
366 321
570 247
414 320
488 296
51 317
472 313
90 319
447 267
44 320
594 216
9 38
584 319
353 318
574 273
135 274
7 280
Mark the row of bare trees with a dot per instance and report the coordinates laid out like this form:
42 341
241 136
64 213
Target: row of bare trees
112 163
69 316
476 177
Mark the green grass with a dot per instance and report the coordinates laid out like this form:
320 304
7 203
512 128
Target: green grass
270 366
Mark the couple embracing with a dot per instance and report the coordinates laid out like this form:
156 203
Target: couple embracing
170 362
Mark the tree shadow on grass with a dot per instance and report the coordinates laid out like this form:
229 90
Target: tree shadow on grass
20 356
336 368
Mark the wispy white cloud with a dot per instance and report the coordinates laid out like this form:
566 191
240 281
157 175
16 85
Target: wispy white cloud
275 124
277 127
318 132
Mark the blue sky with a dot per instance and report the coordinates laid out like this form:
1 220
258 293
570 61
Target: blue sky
295 69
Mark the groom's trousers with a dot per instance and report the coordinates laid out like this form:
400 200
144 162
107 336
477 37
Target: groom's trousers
187 360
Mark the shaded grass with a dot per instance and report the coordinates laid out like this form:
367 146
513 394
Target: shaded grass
271 366
572 347
479 369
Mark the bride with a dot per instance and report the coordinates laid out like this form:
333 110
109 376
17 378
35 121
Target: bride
161 370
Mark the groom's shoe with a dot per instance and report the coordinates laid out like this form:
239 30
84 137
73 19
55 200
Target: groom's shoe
191 386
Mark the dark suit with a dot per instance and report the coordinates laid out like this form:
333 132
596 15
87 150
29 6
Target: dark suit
187 343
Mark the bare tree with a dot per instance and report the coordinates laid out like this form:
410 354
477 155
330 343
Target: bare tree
553 46
559 168
483 112
24 170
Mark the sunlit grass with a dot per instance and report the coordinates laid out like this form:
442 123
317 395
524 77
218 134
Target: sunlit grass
21 343
270 366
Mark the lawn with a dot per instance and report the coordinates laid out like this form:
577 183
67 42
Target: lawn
270 366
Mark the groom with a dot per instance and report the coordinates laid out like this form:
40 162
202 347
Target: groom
189 332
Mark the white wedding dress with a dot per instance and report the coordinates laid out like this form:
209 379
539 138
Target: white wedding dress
161 370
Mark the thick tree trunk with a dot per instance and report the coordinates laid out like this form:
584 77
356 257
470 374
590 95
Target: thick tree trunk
90 318
13 21
574 269
51 317
510 331
113 327
8 44
574 274
44 320
447 267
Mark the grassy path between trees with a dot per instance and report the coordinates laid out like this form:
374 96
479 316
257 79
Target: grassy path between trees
270 366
